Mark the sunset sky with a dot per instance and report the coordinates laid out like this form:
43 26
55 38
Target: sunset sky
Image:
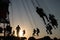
23 13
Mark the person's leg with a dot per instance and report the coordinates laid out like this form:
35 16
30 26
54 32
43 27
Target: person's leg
46 17
43 20
47 31
56 25
33 34
37 33
50 32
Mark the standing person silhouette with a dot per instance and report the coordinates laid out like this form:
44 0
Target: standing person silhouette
23 32
41 14
17 30
34 31
37 31
13 33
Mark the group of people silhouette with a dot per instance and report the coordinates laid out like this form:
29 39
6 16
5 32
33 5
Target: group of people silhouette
35 31
52 22
18 30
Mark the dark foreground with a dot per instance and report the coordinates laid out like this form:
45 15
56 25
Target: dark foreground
24 38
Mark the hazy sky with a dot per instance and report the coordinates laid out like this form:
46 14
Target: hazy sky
22 12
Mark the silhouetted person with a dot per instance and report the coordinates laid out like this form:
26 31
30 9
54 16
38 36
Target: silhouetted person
53 21
41 14
17 30
48 28
37 31
34 31
23 32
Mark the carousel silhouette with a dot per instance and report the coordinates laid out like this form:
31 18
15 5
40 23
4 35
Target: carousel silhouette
7 29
